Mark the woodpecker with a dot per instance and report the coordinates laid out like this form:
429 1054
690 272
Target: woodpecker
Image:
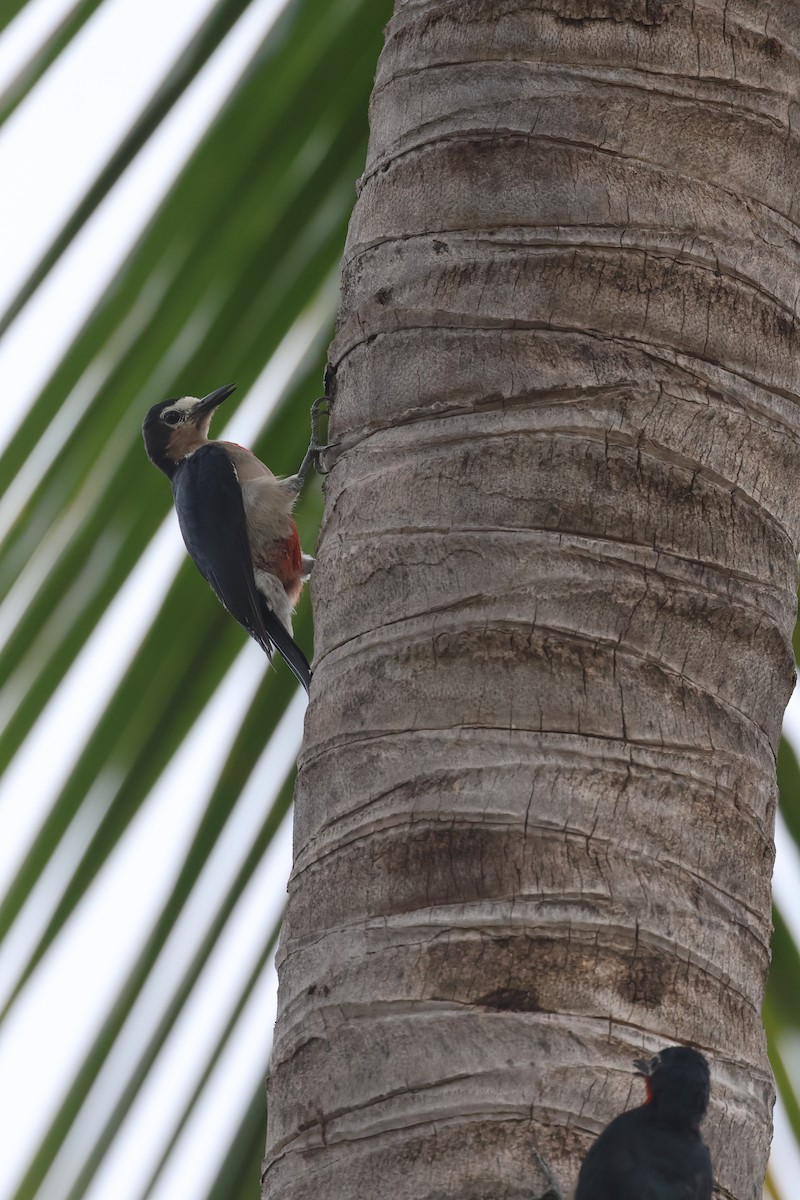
236 519
655 1152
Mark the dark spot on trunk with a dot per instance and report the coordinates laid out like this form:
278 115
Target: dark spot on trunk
510 1000
638 12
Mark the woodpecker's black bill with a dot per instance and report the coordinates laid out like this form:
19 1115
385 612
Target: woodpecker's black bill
213 400
645 1066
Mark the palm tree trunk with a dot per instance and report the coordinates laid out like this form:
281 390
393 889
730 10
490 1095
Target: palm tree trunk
553 601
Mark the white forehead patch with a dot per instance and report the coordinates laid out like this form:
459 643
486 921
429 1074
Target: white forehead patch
185 404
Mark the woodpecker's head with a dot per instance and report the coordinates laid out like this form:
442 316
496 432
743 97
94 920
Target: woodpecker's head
678 1083
173 429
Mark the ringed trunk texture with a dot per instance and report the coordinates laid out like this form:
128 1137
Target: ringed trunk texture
553 599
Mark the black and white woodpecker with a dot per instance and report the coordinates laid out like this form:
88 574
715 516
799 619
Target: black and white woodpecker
236 519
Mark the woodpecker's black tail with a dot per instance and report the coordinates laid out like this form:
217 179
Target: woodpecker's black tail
287 647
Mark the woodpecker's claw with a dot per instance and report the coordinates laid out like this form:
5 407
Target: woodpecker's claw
320 408
315 449
552 1190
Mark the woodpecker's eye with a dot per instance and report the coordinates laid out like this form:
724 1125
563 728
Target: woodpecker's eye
171 417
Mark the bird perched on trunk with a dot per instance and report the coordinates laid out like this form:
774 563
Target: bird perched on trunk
655 1152
236 519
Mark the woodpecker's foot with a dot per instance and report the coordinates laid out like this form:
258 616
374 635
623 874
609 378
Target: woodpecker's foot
295 483
552 1190
320 408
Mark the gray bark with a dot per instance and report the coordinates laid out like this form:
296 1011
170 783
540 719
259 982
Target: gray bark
553 599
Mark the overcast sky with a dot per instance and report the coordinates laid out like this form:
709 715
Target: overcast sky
51 147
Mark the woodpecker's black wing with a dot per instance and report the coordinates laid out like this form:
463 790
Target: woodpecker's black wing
638 1157
208 501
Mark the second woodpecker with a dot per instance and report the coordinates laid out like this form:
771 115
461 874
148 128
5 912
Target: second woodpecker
655 1151
236 519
